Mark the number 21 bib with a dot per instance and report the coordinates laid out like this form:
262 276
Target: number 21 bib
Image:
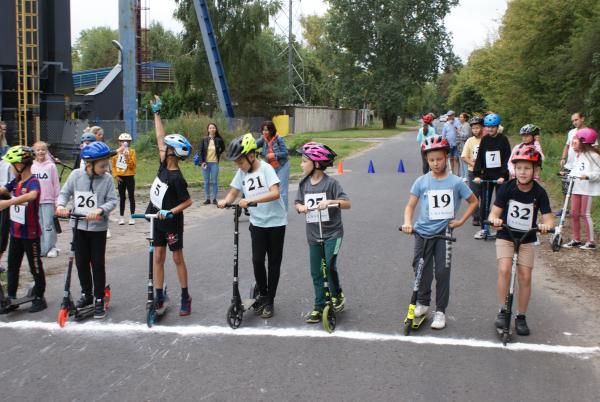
255 184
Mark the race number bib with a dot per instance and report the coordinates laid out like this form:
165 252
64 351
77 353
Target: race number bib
157 192
255 184
519 216
581 167
492 159
85 202
121 162
475 152
311 201
441 204
17 213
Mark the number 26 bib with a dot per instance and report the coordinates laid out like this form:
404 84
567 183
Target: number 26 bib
85 202
441 204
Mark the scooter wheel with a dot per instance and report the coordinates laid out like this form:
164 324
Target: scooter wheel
556 243
407 327
235 314
151 317
329 319
63 313
505 338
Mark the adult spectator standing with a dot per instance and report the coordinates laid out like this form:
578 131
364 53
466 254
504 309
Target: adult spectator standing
425 132
463 135
568 154
451 132
275 153
3 143
209 152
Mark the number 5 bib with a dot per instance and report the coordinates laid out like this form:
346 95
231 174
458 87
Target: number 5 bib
157 192
492 159
441 204
85 202
519 216
255 184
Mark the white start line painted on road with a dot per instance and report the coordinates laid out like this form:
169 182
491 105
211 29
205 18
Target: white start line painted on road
128 328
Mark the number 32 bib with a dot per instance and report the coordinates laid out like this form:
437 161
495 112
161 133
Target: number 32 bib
441 204
519 216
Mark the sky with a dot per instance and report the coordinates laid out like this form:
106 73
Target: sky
471 23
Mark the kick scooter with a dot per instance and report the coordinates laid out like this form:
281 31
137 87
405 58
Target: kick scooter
67 307
235 312
7 304
505 333
487 199
557 238
411 322
154 312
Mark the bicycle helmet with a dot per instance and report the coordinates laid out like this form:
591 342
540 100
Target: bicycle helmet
528 153
435 143
19 154
587 135
180 145
476 120
427 119
241 146
125 137
492 120
529 129
87 136
96 151
317 152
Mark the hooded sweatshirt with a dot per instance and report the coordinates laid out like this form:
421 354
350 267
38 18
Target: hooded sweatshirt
47 175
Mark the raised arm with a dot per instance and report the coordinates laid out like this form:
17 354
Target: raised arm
160 130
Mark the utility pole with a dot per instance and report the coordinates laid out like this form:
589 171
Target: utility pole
290 55
295 64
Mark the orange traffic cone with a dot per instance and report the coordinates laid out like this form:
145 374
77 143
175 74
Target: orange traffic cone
340 167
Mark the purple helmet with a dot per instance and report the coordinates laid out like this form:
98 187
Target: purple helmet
587 135
317 152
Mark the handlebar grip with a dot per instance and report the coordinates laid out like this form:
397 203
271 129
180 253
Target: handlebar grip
138 216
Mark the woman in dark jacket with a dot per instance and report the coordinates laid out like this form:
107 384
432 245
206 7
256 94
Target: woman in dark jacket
209 152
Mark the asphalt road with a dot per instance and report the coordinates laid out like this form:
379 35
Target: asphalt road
199 358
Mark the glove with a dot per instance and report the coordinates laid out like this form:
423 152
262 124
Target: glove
165 212
156 106
197 159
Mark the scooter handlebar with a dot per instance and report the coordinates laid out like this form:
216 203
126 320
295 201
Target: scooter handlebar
150 216
505 226
235 204
441 237
328 206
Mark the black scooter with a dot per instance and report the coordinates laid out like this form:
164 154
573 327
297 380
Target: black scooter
7 305
67 307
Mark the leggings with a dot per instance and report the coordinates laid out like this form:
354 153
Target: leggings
17 248
126 183
4 229
90 248
267 242
581 206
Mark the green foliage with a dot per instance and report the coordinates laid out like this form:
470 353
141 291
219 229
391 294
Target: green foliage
163 45
94 49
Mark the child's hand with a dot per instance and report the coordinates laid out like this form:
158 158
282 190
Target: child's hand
477 180
323 204
221 204
94 215
497 223
4 204
302 209
156 105
500 180
61 212
543 228
243 203
407 228
453 224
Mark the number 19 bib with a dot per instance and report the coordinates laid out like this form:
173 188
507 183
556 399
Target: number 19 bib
255 184
441 204
519 216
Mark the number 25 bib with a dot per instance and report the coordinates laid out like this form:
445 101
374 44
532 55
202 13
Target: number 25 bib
311 201
441 204
255 184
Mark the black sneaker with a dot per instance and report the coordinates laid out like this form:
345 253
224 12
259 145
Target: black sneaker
99 311
521 325
38 304
206 202
314 317
215 201
267 311
501 319
259 304
84 301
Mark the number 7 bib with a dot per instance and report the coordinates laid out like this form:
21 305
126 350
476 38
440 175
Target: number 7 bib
441 204
492 159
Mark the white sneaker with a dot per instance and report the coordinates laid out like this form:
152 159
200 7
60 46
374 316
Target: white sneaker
108 235
439 320
121 221
421 310
53 253
479 235
131 221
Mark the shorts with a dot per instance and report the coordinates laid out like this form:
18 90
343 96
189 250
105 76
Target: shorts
454 153
506 248
173 239
565 181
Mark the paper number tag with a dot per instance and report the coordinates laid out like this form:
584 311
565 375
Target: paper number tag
17 213
255 184
441 204
492 159
157 192
121 162
519 216
474 153
85 202
311 201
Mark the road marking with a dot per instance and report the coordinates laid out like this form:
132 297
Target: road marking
128 328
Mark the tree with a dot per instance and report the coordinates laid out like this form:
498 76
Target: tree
162 45
95 49
391 46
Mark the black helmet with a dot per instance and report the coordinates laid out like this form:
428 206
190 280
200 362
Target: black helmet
529 129
476 120
241 146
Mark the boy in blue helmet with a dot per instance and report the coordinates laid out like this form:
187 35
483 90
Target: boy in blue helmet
93 193
169 195
491 164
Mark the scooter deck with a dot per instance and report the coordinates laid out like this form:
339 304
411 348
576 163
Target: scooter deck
500 332
162 310
417 321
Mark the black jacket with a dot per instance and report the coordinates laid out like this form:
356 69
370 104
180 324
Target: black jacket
203 148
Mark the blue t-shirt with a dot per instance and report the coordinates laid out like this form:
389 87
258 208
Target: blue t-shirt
265 214
421 137
440 195
450 130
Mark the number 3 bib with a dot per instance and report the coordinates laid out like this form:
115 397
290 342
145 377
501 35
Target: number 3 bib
492 159
441 204
85 202
520 216
255 184
157 192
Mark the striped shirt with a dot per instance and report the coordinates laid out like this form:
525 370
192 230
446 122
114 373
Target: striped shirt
31 228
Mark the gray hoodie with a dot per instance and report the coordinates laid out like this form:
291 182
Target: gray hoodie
104 189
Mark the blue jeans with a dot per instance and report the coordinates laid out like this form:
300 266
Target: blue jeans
284 177
211 175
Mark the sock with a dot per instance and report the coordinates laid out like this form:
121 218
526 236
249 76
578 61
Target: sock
184 294
159 295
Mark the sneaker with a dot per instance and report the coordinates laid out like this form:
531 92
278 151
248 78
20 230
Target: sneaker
38 304
99 311
267 311
121 221
521 325
259 304
339 302
215 201
500 319
439 320
186 307
108 235
421 310
53 253
588 246
131 221
314 317
559 213
206 202
84 301
479 235
573 244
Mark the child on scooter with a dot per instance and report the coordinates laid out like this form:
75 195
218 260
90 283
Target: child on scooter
258 183
529 136
517 204
169 195
25 230
319 190
439 194
587 168
491 164
93 194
